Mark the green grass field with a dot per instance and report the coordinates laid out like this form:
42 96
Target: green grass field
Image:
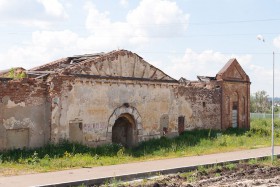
68 155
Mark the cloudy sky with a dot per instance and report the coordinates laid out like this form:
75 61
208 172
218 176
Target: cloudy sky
184 38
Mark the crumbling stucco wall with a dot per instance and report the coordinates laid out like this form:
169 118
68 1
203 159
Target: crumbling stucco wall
24 114
93 102
205 102
90 103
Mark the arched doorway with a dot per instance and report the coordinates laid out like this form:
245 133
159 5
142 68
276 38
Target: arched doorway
129 117
124 130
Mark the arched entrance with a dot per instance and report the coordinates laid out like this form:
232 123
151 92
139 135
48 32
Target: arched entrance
123 131
126 121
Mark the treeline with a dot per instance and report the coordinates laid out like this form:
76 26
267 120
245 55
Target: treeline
260 102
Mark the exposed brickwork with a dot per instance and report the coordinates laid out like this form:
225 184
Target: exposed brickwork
23 90
24 108
235 85
242 91
94 91
205 102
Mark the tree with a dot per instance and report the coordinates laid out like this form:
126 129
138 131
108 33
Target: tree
276 109
259 102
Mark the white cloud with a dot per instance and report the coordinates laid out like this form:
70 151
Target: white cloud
124 3
54 8
209 62
276 42
96 20
39 13
104 34
4 4
44 47
54 39
157 12
206 63
261 78
158 18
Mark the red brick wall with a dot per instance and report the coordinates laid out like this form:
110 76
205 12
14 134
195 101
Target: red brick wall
242 91
23 90
205 99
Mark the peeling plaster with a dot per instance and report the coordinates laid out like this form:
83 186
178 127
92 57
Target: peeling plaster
12 104
12 123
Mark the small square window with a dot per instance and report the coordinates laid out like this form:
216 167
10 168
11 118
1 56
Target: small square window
203 104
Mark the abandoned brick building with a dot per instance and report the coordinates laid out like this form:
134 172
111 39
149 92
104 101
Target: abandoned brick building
116 97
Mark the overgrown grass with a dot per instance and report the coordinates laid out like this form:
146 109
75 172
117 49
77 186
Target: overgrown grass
197 142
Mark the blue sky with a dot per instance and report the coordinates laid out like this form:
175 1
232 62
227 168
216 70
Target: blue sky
184 38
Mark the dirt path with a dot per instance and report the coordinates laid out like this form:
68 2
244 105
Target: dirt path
238 175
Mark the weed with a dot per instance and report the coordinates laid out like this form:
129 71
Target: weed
121 152
201 168
253 161
217 167
223 141
67 155
231 166
217 174
191 178
144 182
34 159
115 183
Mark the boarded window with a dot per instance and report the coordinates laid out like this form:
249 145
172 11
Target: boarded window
181 124
76 132
234 114
17 138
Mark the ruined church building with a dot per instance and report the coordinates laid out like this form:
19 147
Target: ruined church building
116 97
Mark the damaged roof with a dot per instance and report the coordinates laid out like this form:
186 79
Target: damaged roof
122 64
101 64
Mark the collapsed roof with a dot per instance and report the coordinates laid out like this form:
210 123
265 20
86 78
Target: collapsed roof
95 64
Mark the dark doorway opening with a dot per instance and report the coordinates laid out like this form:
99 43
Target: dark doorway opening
181 124
123 131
